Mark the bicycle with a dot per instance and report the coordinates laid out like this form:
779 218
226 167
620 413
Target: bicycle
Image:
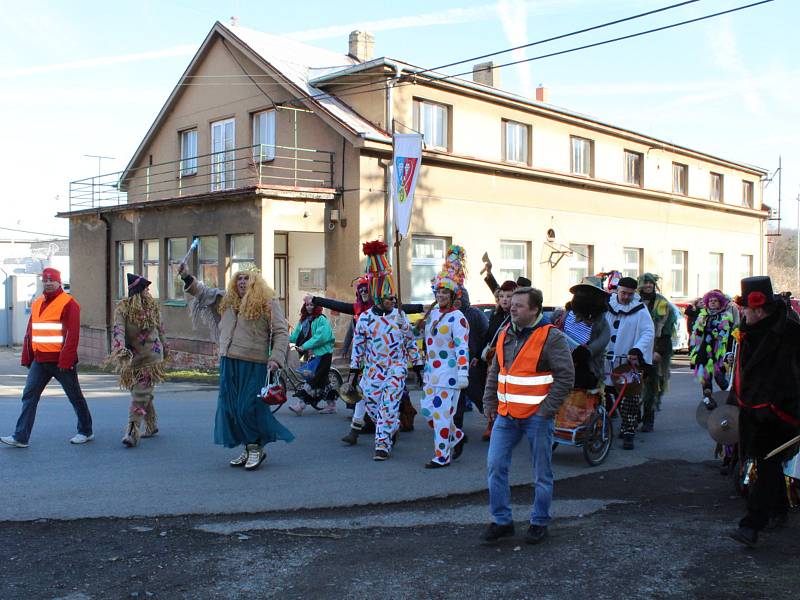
293 376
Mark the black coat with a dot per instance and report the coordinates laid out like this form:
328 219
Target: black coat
767 383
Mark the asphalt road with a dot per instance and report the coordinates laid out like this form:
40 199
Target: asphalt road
181 472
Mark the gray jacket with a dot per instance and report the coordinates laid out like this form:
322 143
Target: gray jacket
555 357
238 337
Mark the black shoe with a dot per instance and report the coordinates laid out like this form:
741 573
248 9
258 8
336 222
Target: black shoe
495 532
351 439
627 442
536 534
778 521
646 427
381 455
432 464
744 535
459 448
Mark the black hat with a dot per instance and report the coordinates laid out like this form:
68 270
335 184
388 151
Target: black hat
589 286
523 282
757 291
136 284
628 282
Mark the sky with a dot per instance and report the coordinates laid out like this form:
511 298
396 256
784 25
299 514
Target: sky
88 77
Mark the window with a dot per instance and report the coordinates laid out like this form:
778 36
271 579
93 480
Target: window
208 260
516 142
264 136
223 159
747 194
243 256
716 187
176 250
634 163
582 158
715 271
581 262
680 179
632 262
150 256
513 261
427 255
125 265
745 266
679 273
188 152
432 119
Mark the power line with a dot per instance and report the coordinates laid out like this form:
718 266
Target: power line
412 76
51 235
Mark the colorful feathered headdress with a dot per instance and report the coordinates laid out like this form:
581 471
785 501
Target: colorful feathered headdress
377 271
451 277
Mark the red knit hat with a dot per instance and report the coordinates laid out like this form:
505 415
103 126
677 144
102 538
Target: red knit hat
52 274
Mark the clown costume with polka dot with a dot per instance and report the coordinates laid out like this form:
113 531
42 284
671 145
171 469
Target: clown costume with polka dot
447 361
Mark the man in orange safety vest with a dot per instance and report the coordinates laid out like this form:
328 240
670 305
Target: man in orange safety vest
531 375
50 349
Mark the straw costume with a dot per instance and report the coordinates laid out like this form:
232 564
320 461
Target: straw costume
447 361
383 347
138 353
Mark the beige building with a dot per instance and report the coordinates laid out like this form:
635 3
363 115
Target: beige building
275 153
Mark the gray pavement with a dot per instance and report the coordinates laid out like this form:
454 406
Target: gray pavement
182 472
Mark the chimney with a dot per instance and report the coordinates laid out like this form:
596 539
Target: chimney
542 94
486 73
361 45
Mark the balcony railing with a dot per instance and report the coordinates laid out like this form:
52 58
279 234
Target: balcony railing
261 165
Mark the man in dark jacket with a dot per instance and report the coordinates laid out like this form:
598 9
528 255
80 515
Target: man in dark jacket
766 387
478 324
50 349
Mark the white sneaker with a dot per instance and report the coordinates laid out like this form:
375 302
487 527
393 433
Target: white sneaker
10 441
81 439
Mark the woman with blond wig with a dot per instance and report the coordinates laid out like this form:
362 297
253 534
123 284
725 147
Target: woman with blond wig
249 326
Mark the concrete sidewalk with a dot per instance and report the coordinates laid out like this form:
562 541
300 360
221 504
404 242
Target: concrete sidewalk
182 472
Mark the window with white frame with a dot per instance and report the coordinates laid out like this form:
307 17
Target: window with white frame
747 194
125 265
634 166
715 270
243 253
716 192
680 179
427 255
513 262
745 266
582 156
679 273
581 262
223 159
632 259
188 152
150 264
176 250
264 135
516 142
432 120
208 260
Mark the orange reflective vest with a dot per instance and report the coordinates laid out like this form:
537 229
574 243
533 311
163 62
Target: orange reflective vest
47 331
522 388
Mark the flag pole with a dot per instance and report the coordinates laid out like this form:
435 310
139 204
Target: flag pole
398 277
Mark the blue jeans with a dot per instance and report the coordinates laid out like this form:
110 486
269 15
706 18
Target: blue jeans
39 375
506 433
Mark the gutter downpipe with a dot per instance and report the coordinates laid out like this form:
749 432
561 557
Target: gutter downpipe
107 280
388 206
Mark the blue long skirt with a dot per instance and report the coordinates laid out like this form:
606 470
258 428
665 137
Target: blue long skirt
241 417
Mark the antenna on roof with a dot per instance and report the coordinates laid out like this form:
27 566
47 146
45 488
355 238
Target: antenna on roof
234 21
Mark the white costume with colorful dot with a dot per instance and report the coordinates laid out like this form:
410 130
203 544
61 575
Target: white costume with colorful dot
446 371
